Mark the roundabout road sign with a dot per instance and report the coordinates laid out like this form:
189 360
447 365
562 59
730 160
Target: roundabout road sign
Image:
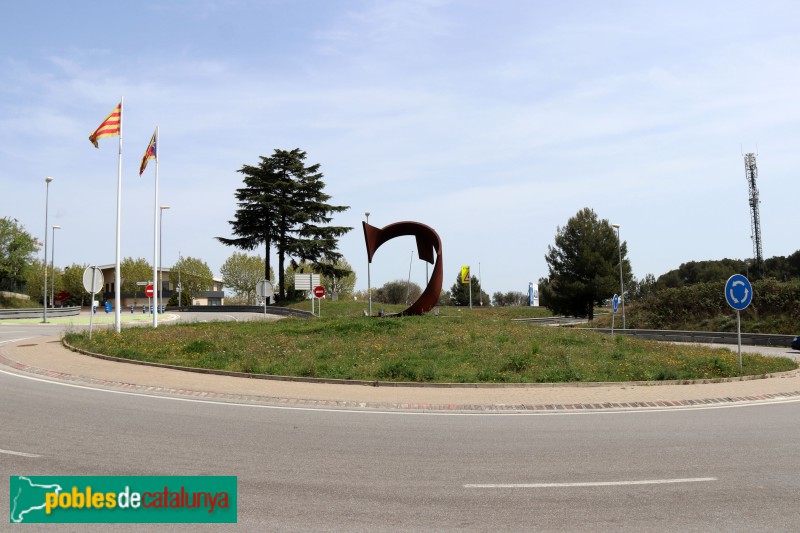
738 292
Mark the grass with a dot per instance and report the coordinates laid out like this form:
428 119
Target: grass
349 308
17 303
459 346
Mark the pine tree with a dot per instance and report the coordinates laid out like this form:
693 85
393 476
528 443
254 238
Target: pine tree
583 265
459 292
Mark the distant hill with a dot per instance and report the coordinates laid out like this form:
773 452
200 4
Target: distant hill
779 267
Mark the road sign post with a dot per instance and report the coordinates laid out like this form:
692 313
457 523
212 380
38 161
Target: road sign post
319 293
266 291
614 306
738 294
466 279
148 291
92 282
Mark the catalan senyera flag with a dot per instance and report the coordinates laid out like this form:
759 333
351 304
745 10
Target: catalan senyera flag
150 153
111 126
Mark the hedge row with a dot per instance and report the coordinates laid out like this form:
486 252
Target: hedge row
775 309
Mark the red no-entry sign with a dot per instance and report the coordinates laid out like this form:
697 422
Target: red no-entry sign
319 291
148 291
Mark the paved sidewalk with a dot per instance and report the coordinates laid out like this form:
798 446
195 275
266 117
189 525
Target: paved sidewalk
46 358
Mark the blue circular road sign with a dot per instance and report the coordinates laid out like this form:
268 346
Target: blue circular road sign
738 292
615 302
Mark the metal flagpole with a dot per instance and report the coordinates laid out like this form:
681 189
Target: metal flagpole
117 283
155 242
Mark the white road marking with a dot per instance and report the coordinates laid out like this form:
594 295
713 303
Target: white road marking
588 483
369 411
21 454
16 340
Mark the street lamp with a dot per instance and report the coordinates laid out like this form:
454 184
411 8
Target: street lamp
621 286
47 181
180 287
160 258
369 281
53 268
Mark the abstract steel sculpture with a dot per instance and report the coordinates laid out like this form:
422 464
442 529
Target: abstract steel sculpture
428 242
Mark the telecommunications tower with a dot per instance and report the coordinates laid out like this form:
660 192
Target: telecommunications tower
751 173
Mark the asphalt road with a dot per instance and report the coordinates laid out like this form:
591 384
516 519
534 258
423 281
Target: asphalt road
722 469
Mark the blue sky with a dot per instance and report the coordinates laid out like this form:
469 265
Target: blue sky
492 122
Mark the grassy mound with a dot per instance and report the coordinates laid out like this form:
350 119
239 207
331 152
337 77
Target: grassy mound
458 346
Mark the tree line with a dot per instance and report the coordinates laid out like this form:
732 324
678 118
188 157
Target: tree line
194 274
283 207
584 271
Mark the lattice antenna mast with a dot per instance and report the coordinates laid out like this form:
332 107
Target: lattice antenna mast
751 172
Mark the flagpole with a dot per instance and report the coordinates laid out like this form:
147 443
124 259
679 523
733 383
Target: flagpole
156 288
117 283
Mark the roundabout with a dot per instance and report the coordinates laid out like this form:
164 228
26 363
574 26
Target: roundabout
28 349
321 457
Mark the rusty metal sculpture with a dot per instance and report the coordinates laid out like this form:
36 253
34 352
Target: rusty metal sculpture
428 242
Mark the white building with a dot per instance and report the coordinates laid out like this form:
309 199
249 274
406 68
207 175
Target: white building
215 294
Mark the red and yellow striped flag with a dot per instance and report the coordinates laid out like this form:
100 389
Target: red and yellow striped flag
109 127
150 153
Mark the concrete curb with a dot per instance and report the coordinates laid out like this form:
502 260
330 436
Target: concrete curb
617 400
388 406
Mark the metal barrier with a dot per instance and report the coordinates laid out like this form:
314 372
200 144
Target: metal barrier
282 311
38 312
704 337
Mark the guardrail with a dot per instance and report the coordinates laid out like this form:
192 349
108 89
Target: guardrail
282 311
553 320
705 337
38 312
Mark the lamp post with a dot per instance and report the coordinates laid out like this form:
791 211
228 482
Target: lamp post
180 287
160 257
621 286
369 281
47 181
53 268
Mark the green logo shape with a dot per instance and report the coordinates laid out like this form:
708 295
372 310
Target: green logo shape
122 499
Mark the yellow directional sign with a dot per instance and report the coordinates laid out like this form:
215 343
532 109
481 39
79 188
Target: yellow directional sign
464 274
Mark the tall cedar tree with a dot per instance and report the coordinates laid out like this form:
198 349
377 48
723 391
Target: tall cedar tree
283 204
583 265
